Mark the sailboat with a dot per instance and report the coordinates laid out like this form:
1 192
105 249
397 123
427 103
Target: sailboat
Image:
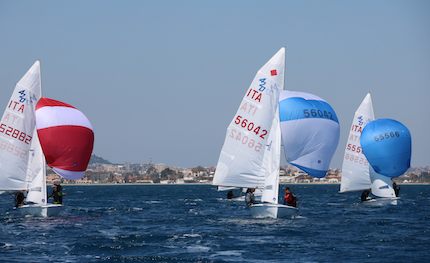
36 201
310 131
22 157
386 143
241 197
357 173
250 157
65 143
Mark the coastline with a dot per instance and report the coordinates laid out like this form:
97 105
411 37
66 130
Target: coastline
135 184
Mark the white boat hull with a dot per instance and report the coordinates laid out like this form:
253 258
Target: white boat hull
382 201
273 210
41 210
242 199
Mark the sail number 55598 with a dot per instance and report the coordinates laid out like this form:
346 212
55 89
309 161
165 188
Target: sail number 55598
245 140
250 126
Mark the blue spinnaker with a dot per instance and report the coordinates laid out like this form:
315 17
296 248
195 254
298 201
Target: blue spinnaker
387 145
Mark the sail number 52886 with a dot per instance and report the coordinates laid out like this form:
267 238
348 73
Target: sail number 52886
245 140
250 126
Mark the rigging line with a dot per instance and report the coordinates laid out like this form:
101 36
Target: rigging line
11 195
304 198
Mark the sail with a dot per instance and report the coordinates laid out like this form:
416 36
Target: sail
36 169
66 136
242 154
355 168
386 143
310 131
271 163
16 131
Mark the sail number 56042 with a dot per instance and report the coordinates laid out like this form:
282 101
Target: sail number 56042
250 126
245 140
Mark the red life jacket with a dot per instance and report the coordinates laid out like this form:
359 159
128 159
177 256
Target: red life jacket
289 200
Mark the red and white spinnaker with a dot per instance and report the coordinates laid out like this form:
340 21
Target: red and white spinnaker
66 136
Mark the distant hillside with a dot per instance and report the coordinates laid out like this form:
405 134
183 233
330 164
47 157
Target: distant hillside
98 159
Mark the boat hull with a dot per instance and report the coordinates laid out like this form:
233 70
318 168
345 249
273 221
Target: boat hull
41 210
381 201
273 210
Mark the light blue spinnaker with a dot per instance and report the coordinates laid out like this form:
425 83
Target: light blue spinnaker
310 131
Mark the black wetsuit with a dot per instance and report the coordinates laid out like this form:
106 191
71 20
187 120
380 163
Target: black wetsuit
19 199
58 197
365 196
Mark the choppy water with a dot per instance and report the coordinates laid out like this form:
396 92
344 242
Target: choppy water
180 223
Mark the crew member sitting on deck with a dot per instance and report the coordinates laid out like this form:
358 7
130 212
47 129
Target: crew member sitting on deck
249 197
396 188
19 198
365 196
57 194
230 194
289 198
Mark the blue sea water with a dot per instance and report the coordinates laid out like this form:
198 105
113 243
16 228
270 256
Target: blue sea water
195 223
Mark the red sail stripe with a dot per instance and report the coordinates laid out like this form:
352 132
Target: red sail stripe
67 147
43 102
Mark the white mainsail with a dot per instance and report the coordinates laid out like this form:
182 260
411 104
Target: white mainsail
17 131
241 159
355 168
357 173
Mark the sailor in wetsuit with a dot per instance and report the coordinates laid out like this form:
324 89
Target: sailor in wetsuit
57 194
249 197
365 196
19 198
289 198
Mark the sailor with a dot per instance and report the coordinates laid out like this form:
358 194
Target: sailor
290 198
57 194
249 197
365 195
230 194
19 198
396 188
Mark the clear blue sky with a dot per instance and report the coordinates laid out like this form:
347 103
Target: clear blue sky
163 79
